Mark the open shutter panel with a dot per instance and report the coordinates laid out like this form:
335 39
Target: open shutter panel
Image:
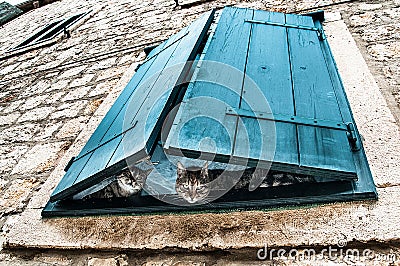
282 54
130 128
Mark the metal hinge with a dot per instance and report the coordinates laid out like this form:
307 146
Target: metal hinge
320 32
351 135
291 119
69 163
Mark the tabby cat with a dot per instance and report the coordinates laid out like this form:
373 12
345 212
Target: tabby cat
195 183
125 184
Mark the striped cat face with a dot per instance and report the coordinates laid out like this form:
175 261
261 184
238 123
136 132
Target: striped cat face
130 182
192 184
127 186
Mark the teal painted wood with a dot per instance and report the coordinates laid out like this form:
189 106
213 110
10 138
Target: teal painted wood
97 139
228 47
315 97
101 156
95 160
288 66
8 12
268 66
363 188
216 87
365 182
159 100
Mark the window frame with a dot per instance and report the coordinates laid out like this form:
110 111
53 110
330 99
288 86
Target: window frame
261 198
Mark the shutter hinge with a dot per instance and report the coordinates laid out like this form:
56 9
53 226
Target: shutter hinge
69 163
148 49
321 34
351 135
137 67
292 119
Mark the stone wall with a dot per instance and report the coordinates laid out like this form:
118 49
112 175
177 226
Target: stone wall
48 95
376 27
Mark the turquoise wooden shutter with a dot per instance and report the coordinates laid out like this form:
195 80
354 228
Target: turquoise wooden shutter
306 113
282 54
147 102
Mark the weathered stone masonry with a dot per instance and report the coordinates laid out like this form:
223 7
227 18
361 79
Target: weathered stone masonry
48 95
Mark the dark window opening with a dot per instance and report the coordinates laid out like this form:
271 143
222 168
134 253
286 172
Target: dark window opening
49 32
243 109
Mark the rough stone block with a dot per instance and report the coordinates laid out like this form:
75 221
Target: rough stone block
112 73
69 109
385 51
76 93
16 195
365 6
46 131
9 119
82 81
36 89
32 102
107 63
19 133
118 261
103 88
72 128
39 159
36 114
59 85
72 72
362 19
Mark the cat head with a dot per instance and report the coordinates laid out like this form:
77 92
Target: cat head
131 182
192 183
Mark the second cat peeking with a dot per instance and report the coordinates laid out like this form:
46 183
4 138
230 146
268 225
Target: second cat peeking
194 184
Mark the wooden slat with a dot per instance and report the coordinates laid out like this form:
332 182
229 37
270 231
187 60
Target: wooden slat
315 98
146 101
268 66
101 156
289 88
216 87
109 119
94 162
151 117
112 123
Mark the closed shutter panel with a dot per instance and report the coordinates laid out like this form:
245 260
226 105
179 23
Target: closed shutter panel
305 123
130 127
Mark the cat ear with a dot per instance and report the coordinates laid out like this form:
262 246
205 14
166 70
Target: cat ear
180 167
